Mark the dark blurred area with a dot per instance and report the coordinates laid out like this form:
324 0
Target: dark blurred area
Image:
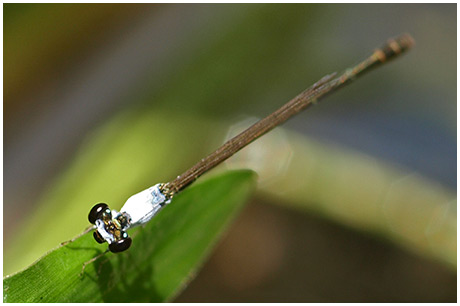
70 68
284 257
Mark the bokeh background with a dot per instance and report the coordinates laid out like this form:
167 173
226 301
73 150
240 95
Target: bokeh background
357 196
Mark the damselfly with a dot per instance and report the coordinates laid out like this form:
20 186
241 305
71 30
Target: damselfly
111 226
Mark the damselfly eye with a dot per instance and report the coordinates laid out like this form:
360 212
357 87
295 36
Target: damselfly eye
120 245
96 212
98 237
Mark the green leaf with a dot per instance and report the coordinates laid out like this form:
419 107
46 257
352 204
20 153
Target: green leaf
164 256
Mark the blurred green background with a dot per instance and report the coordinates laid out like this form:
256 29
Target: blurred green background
357 196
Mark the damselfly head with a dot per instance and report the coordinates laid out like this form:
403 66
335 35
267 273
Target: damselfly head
111 227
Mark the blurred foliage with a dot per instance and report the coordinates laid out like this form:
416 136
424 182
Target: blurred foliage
357 190
40 37
163 258
244 59
223 72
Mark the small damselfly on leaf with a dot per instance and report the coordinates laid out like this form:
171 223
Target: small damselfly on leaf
111 226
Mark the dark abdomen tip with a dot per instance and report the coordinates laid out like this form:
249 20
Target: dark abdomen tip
394 47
